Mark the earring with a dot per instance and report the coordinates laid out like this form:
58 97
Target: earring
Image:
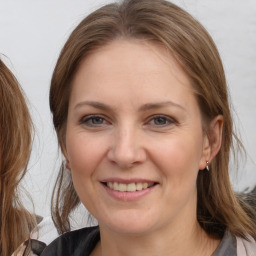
207 166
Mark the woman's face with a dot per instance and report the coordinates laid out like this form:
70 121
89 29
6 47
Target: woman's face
134 138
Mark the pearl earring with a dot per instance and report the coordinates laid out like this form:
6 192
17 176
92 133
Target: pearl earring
207 166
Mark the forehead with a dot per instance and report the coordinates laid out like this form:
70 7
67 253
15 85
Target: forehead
130 67
133 52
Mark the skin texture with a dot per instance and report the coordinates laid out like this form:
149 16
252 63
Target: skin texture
133 117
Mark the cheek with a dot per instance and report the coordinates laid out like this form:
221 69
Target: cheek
179 156
83 155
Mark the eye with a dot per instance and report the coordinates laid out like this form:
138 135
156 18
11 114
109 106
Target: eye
160 121
93 120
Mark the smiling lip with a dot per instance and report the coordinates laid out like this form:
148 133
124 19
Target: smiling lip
128 190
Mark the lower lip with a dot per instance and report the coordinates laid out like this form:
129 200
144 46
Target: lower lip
128 196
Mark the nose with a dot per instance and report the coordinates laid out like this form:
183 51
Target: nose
127 148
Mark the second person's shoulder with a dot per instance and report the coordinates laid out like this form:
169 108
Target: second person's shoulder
78 242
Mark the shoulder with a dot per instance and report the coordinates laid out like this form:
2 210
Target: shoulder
227 246
236 246
74 243
45 231
246 247
43 234
30 248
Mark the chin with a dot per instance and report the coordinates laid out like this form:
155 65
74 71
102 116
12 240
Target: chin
128 225
130 230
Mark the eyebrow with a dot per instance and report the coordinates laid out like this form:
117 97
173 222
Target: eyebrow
94 104
151 106
145 107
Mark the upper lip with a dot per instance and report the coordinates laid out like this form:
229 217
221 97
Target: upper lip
127 181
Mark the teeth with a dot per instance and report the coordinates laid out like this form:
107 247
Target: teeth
115 186
139 186
131 187
144 185
110 185
122 187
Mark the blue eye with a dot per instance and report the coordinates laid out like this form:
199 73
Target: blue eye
97 120
93 120
161 121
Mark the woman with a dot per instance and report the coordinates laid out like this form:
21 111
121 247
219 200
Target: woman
141 111
15 147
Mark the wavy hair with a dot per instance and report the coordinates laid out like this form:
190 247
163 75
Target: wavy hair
15 146
161 22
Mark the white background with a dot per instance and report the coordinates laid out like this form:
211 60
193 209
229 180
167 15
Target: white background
32 33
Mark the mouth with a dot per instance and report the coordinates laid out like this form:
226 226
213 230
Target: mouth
129 187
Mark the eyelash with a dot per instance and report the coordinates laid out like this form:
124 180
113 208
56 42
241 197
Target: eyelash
168 121
89 121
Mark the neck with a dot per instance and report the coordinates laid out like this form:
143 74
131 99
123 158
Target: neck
175 242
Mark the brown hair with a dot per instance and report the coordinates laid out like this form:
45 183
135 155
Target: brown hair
162 22
15 146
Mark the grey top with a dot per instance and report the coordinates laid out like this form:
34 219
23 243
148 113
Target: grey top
83 241
227 246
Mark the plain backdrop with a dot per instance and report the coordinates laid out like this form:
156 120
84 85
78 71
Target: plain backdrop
32 33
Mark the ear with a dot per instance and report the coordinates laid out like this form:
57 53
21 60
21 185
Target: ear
68 164
65 154
212 141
